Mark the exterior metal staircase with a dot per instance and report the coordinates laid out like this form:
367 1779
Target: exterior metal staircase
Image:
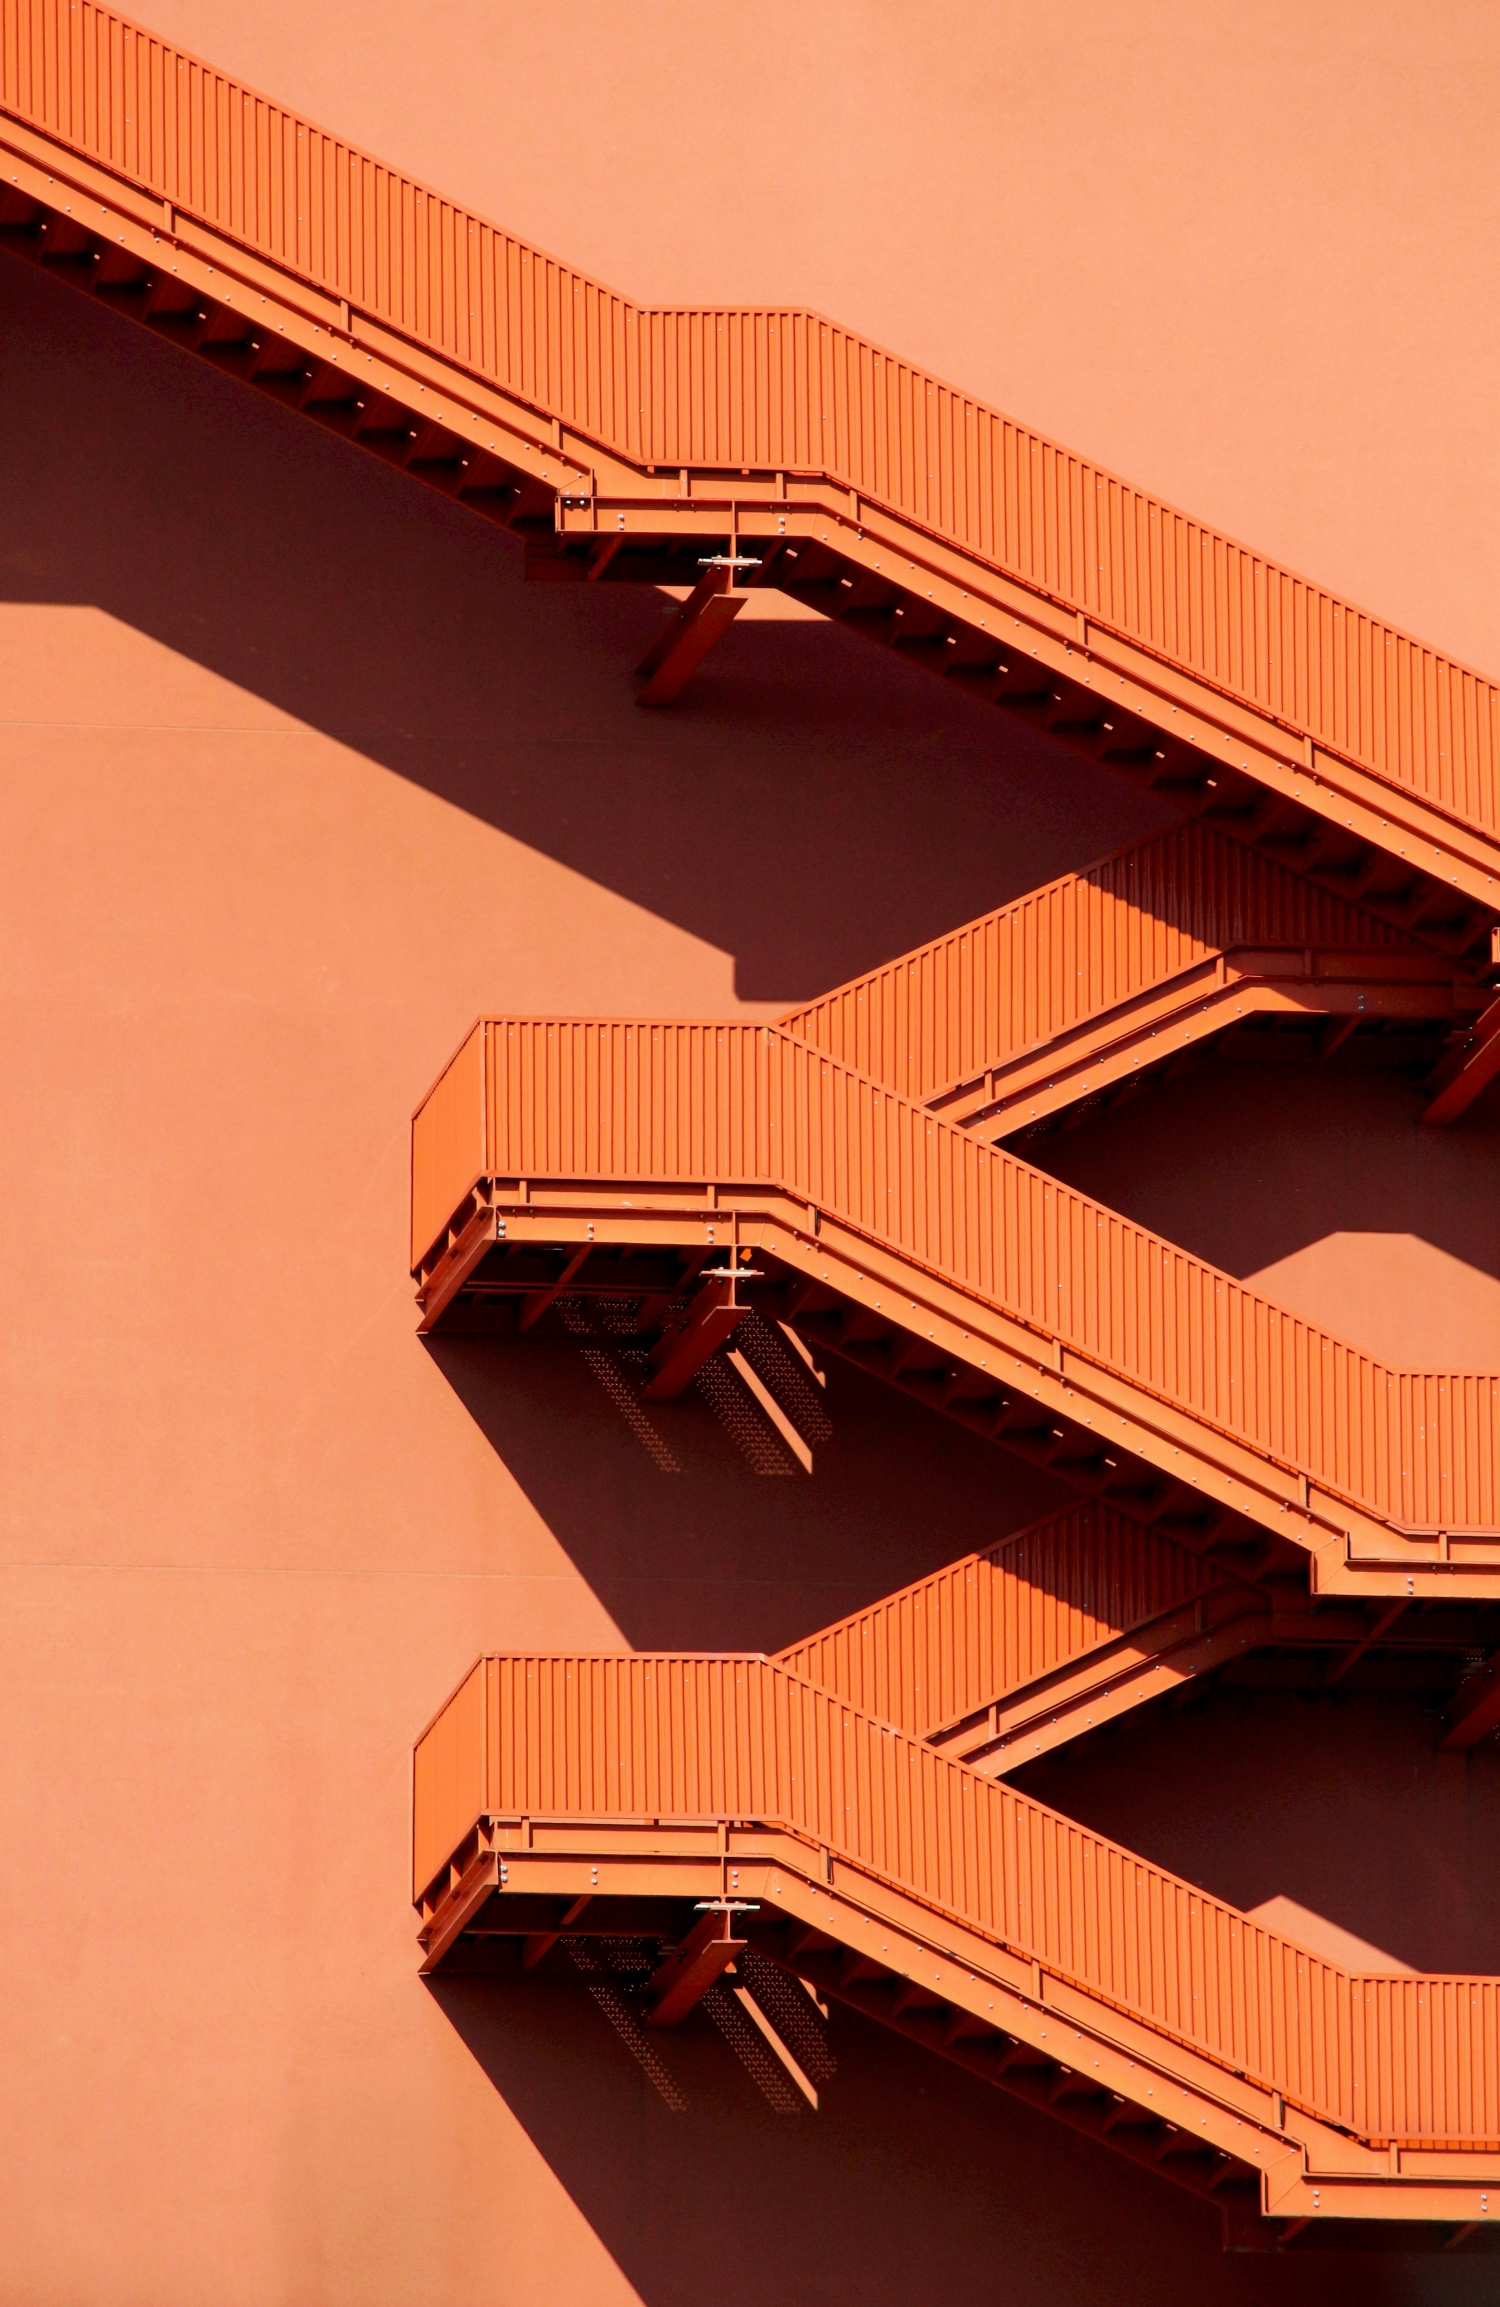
843 1812
1066 1625
725 1804
1074 996
647 1163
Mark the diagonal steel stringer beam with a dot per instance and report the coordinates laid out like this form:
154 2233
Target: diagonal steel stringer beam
1469 1067
691 631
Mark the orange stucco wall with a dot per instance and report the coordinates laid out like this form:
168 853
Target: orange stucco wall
297 777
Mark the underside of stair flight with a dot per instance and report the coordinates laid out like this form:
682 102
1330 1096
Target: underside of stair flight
728 448
721 1805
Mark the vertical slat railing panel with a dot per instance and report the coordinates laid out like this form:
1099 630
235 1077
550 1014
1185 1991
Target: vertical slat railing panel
449 1783
448 1143
649 1737
1077 947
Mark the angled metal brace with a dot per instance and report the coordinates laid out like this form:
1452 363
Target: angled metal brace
1476 1708
1473 1061
699 1963
709 610
686 1343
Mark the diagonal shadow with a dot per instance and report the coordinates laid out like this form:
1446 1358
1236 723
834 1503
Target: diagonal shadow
714 1556
1316 1793
964 2195
809 807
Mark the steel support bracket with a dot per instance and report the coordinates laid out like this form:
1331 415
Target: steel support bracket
709 610
687 1342
1470 1065
699 1963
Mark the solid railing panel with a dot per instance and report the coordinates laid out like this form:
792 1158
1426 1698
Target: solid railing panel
450 1783
997 1620
448 1147
646 1738
770 389
1020 976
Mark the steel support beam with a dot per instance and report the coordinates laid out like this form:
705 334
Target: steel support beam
949 1983
686 1343
1356 1650
1476 1708
540 1943
709 610
698 1964
533 1307
1133 707
1470 1065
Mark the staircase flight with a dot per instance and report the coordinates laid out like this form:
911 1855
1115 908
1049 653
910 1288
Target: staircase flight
653 1160
639 1794
729 447
1073 996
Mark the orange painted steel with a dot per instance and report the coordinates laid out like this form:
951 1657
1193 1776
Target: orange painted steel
1042 1000
1475 1711
593 1103
998 1621
1381 2091
1047 1635
770 424
691 632
1080 1617
620 1763
1467 1069
1116 1051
